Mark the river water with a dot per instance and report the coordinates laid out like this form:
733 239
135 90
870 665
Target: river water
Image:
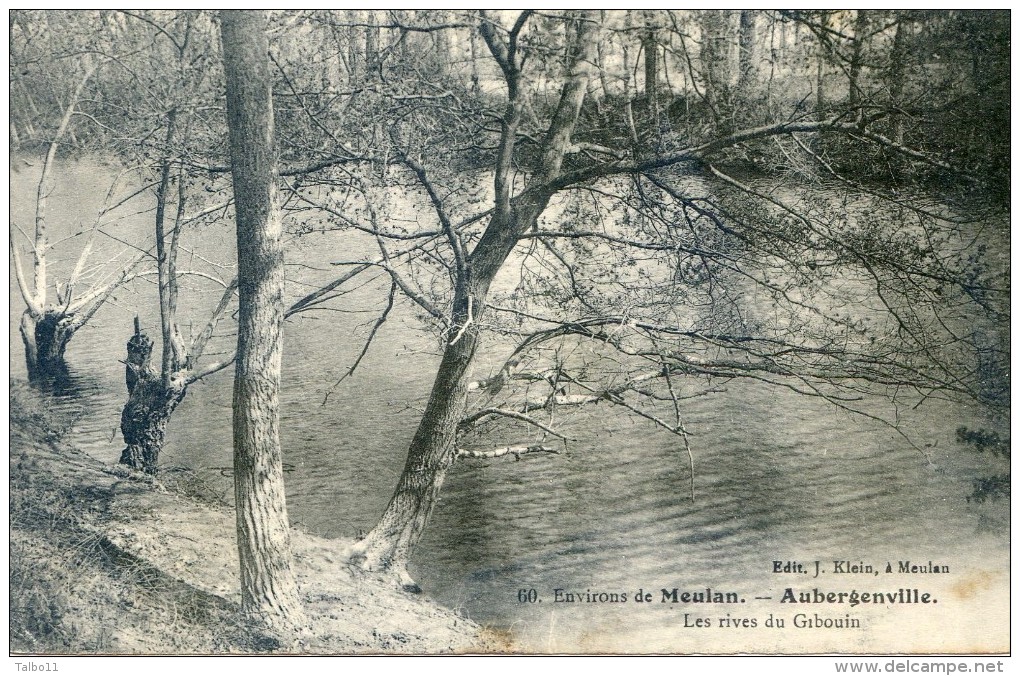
778 478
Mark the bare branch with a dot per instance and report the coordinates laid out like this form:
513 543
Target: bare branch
437 203
215 367
200 341
695 153
85 307
420 300
488 412
516 451
317 296
43 191
33 307
368 342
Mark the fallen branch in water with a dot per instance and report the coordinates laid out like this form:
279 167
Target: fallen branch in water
516 451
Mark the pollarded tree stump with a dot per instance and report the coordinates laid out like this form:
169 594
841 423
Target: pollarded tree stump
151 402
139 350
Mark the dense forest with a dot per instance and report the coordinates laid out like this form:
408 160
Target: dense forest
626 209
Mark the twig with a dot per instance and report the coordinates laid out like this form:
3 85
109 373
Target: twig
364 350
486 412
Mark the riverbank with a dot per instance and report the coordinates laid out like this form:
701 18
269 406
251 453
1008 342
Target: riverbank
106 561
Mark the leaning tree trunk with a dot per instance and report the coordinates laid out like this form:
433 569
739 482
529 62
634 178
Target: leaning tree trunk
151 403
268 589
389 544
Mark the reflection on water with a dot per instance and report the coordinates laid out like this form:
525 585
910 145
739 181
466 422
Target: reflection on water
68 384
777 477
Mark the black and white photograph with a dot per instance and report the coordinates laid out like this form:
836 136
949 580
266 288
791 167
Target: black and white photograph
510 332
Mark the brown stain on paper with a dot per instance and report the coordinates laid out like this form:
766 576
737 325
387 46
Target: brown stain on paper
972 584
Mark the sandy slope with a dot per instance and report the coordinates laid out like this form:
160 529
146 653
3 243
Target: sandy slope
106 560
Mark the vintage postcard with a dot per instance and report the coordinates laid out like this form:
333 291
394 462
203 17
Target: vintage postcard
376 331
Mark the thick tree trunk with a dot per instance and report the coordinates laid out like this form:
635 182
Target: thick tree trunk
139 351
27 329
144 420
388 546
45 339
268 588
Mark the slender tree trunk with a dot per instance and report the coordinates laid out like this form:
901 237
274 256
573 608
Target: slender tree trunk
476 85
388 546
716 65
167 282
628 93
898 75
650 46
268 588
820 59
746 45
857 57
603 78
355 55
371 35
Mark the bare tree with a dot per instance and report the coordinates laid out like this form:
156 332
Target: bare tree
388 545
47 327
155 390
644 259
